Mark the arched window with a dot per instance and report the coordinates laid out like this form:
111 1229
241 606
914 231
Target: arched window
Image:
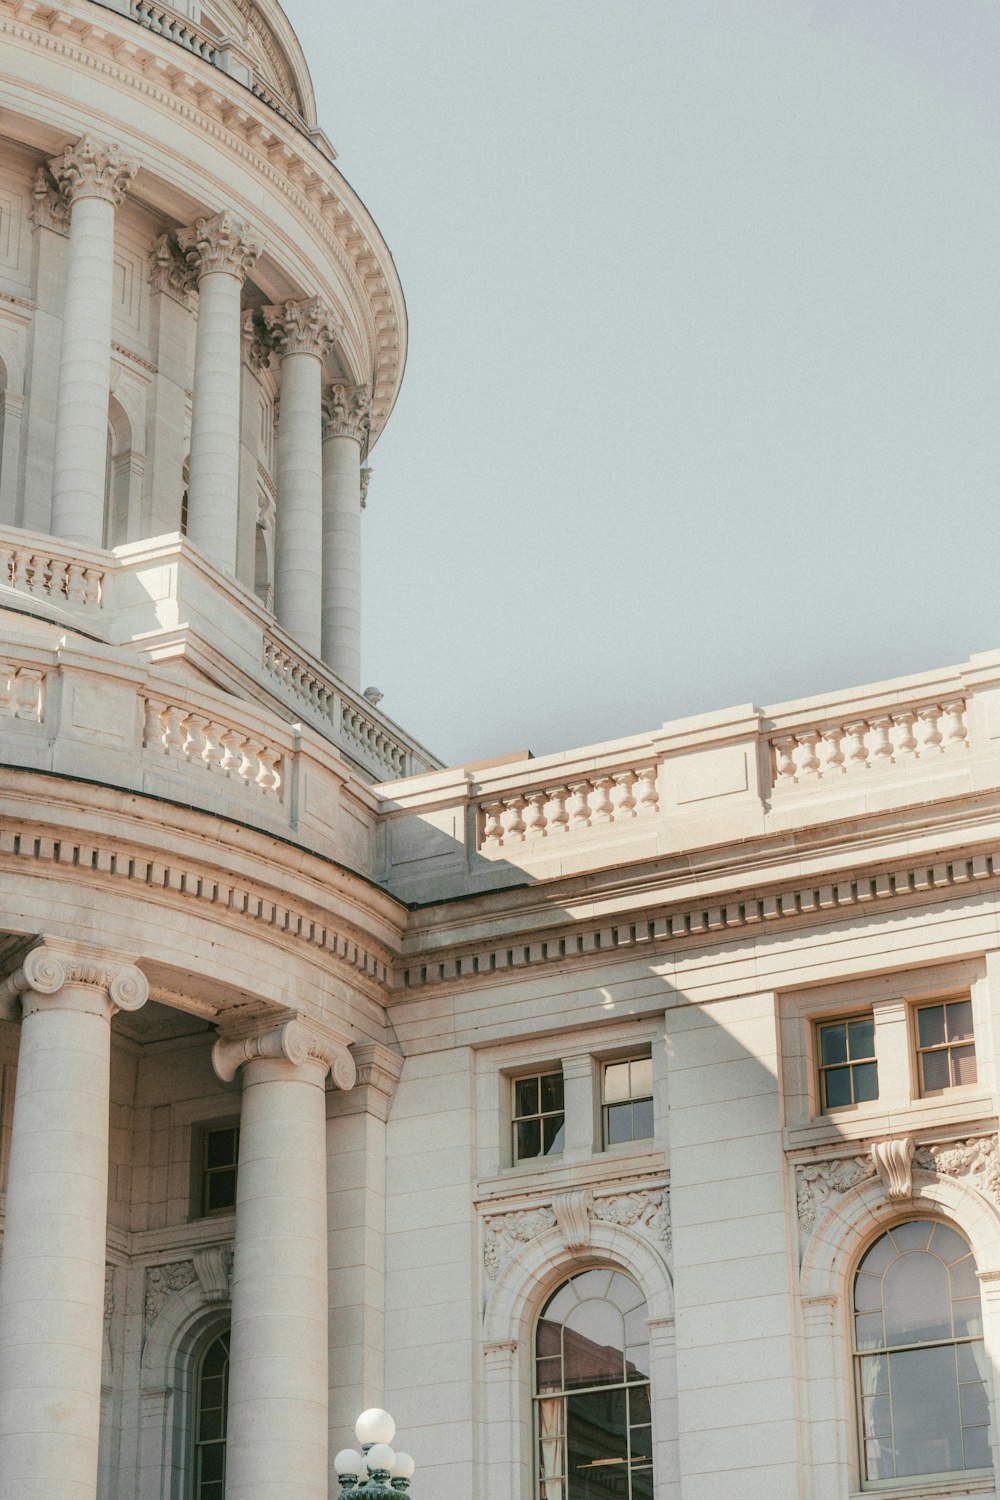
211 1402
592 1411
920 1362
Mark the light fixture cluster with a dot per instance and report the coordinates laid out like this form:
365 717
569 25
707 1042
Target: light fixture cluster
376 1472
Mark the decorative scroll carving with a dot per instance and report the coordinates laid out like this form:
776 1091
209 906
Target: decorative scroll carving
163 1281
977 1157
295 1042
49 209
893 1162
820 1181
504 1232
301 327
213 1266
645 1209
221 243
346 411
93 169
169 271
45 970
258 346
572 1211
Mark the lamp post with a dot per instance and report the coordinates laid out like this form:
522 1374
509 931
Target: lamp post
376 1473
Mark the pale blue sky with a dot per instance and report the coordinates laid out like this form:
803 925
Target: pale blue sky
702 404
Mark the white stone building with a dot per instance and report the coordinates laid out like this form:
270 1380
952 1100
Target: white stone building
624 1120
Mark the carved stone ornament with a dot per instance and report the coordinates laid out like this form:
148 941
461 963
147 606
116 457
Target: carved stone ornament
301 327
977 1158
820 1181
894 1164
574 1214
109 1297
46 969
213 1266
49 209
162 1282
220 243
258 346
294 1041
647 1209
93 169
347 411
366 475
572 1211
505 1232
169 271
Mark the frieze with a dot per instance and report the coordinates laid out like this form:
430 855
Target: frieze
647 1209
820 1181
976 1157
162 1282
504 1232
644 1209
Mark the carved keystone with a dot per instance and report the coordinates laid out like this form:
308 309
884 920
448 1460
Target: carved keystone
572 1211
894 1164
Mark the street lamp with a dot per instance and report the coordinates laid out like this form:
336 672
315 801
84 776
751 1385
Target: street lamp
377 1472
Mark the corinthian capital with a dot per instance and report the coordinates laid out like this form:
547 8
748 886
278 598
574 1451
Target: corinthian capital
301 327
221 243
347 411
297 1042
93 169
48 969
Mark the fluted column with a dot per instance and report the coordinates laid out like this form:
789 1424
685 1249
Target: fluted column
277 1441
347 416
93 177
55 1231
220 252
302 333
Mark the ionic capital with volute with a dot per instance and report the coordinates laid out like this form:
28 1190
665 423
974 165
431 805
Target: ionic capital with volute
93 169
48 969
306 327
298 1042
219 243
347 411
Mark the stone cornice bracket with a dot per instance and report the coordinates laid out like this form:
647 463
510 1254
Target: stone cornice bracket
378 1070
347 411
306 327
49 209
45 970
294 1041
169 271
893 1162
258 346
572 1211
93 169
219 243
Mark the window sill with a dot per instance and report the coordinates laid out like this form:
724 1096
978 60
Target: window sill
959 1106
556 1174
950 1489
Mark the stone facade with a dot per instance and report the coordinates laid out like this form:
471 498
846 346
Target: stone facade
236 895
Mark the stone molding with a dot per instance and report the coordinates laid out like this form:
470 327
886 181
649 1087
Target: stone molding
573 1214
93 169
378 1073
219 243
306 327
49 209
46 969
296 1041
170 272
346 412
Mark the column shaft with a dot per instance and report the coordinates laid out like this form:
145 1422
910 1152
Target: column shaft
299 540
277 1441
342 558
213 490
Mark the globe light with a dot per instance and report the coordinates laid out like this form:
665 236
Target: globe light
348 1461
380 1458
374 1426
403 1467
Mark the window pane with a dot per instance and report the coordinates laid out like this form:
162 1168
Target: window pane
867 1293
642 1120
875 1375
977 1448
869 1331
949 1245
211 1425
865 1082
616 1083
528 1139
915 1235
917 1294
963 1065
959 1020
837 1084
641 1443
878 1459
598 1445
833 1043
878 1255
930 1025
593 1341
642 1484
638 1406
221 1189
975 1407
619 1123
642 1077
935 1071
964 1281
925 1412
220 1148
526 1096
876 1416
552 1092
861 1038
552 1134
212 1460
968 1315
549 1373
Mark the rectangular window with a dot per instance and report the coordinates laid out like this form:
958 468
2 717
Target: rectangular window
946 1049
538 1116
628 1101
220 1154
848 1071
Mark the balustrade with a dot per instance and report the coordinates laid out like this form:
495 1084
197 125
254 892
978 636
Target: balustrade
21 692
883 739
59 579
175 28
201 741
584 802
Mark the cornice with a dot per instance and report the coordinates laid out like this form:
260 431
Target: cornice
366 267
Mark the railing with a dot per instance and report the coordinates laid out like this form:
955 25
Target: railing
554 810
175 28
877 741
59 578
217 747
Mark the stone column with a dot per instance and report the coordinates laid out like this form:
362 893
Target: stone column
277 1446
347 416
302 333
221 253
93 178
52 1269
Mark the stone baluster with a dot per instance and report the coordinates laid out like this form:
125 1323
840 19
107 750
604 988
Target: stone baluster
954 722
347 411
579 804
534 816
221 252
855 750
784 758
52 1270
930 734
492 821
558 817
905 741
512 820
93 177
277 1445
881 748
601 807
647 794
302 333
622 797
807 760
831 756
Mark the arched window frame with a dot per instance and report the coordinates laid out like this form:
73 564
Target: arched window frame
197 1437
830 1255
